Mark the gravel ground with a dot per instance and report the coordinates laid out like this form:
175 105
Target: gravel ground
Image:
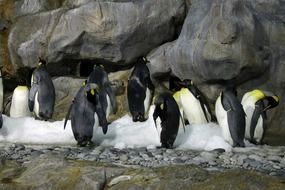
266 159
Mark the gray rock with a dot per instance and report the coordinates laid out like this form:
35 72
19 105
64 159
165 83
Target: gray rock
114 32
27 45
211 50
124 157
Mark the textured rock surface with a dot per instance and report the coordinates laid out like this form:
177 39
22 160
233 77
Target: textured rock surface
106 31
50 170
240 42
220 40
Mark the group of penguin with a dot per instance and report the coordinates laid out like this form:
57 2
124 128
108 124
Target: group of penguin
182 104
39 100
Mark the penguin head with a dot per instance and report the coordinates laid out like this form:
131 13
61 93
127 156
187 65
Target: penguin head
272 100
41 62
91 92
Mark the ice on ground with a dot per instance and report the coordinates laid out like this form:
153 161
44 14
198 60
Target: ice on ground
122 133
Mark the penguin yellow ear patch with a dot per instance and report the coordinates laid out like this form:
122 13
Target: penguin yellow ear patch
93 92
258 94
276 98
161 106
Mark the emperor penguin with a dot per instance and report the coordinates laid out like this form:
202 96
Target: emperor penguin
86 114
231 117
255 104
140 91
19 105
106 95
42 93
167 110
191 101
1 92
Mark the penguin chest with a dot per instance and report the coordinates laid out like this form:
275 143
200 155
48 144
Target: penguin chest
222 118
147 101
96 126
37 105
259 130
19 105
192 108
248 108
109 106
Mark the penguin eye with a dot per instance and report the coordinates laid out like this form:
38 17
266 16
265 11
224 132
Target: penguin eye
93 92
161 106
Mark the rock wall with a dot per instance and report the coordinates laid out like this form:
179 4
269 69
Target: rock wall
211 42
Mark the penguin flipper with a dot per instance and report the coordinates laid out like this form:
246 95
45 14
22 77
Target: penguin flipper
68 114
112 97
258 111
102 118
32 95
236 122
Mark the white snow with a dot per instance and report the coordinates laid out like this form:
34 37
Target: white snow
122 133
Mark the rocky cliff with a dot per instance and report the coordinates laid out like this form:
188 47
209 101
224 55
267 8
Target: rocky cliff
211 42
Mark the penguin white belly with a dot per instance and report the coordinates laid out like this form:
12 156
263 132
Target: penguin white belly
158 127
19 105
36 105
109 107
192 108
1 94
95 127
248 107
147 101
258 132
222 118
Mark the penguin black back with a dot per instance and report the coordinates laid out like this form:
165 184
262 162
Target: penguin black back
82 112
235 115
100 77
167 109
42 85
137 91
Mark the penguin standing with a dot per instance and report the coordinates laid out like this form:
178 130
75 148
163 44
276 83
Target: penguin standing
255 104
42 93
191 101
86 114
140 91
106 95
19 105
231 117
167 110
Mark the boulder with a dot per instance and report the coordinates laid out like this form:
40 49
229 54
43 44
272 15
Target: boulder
220 40
116 32
228 42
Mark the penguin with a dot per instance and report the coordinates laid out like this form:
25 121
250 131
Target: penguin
42 93
106 95
140 91
231 117
255 104
86 114
191 101
167 110
19 105
1 92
